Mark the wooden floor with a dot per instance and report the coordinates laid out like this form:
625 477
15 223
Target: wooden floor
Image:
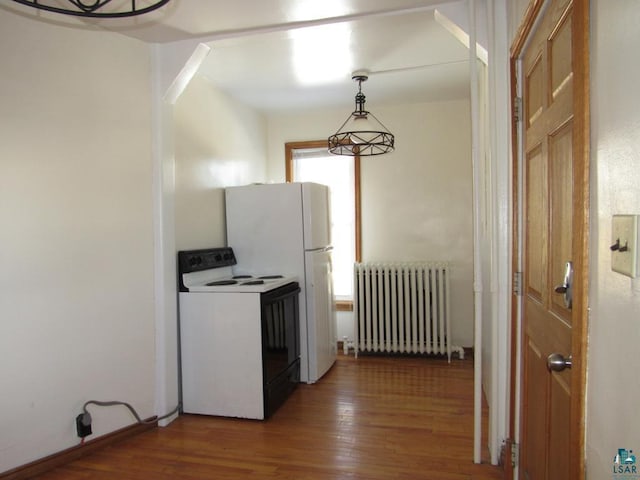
371 418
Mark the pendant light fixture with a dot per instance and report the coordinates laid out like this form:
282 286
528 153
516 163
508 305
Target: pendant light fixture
361 133
94 8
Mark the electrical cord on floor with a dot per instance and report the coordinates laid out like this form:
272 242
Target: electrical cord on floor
87 416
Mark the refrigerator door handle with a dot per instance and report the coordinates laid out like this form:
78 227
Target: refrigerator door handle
320 249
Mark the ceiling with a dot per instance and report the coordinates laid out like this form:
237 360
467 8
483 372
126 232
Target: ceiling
282 55
410 58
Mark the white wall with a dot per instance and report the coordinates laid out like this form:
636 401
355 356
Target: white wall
495 224
219 143
76 256
614 334
515 13
416 201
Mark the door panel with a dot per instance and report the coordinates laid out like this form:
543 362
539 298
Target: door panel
560 412
561 196
536 403
560 57
536 232
534 90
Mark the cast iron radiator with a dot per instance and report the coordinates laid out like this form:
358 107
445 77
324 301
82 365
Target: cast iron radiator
403 308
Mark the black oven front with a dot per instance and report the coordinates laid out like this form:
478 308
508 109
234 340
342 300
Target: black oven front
280 344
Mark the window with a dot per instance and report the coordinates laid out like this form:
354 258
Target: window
310 162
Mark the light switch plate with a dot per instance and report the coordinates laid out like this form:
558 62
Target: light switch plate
624 244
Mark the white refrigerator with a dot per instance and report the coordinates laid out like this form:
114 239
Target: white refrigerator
286 229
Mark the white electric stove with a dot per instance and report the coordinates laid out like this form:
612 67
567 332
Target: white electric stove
239 336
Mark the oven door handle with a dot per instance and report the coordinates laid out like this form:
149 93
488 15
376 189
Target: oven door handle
277 295
284 295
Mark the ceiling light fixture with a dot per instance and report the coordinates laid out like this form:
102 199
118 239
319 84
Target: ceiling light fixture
94 8
361 133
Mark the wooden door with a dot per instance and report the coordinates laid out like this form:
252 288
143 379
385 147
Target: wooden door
554 225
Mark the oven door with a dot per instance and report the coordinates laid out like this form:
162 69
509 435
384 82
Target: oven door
280 344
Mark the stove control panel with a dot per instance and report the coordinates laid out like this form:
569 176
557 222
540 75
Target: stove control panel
205 259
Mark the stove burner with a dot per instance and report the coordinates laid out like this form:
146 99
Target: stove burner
221 282
241 276
271 277
254 282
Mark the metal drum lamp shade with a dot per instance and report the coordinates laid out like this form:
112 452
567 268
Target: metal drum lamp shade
96 8
361 133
